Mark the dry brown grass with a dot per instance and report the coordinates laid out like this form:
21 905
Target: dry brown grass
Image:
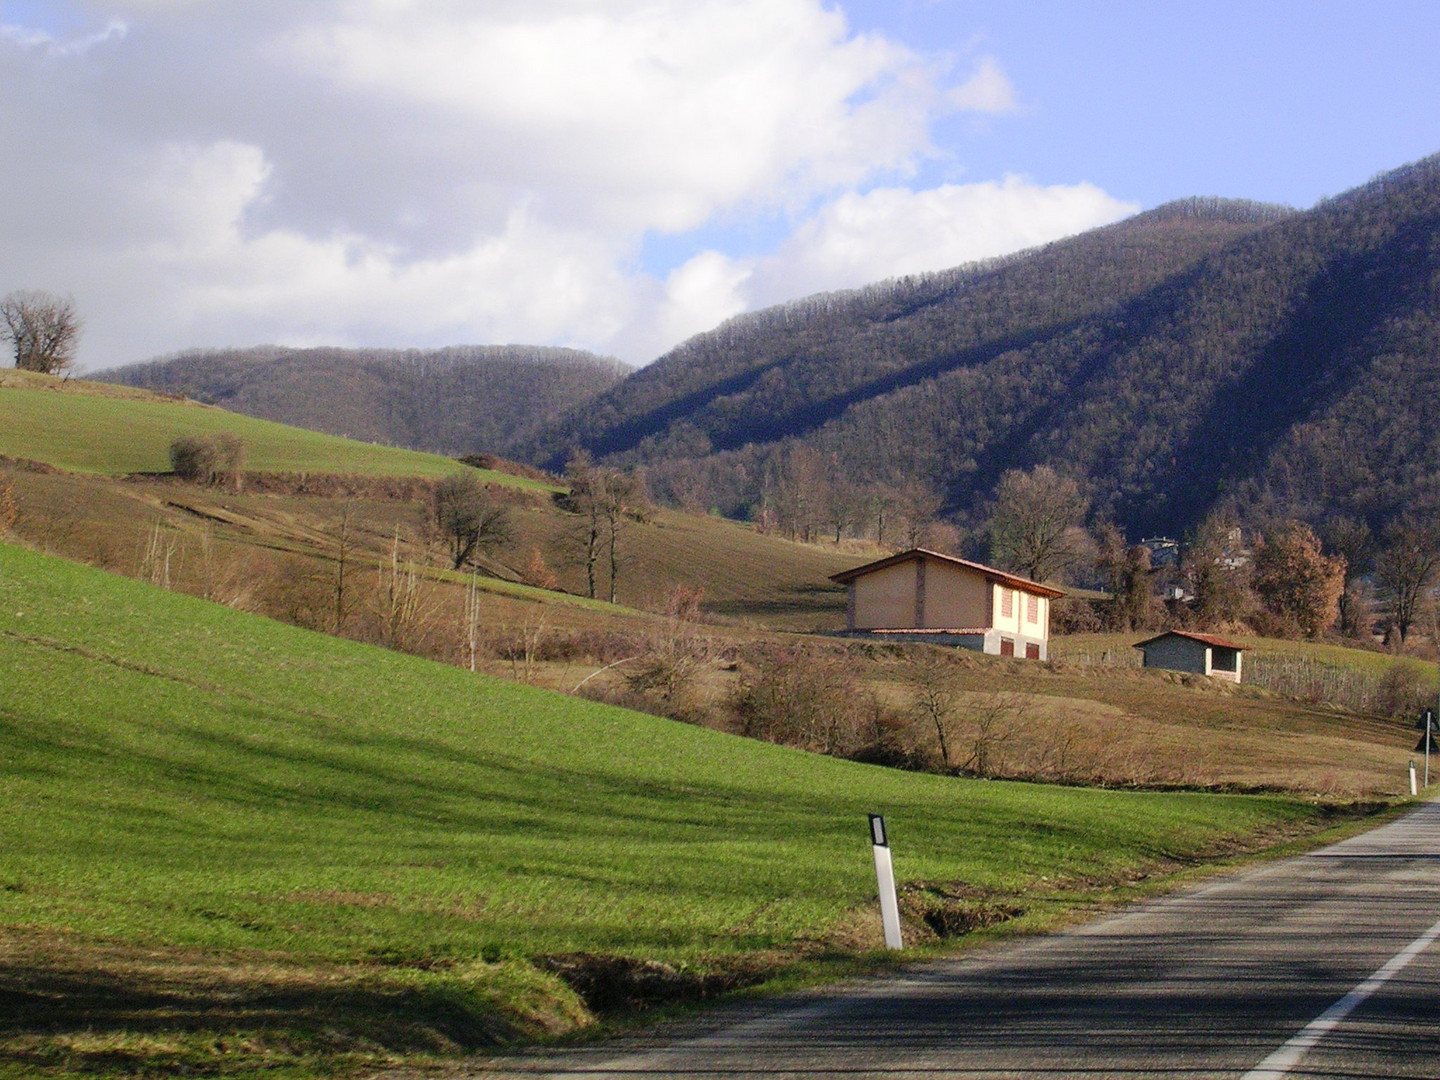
277 554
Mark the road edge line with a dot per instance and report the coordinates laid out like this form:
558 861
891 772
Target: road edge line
1288 1056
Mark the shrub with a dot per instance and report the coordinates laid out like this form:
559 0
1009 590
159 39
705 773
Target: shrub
1405 690
9 504
209 459
797 697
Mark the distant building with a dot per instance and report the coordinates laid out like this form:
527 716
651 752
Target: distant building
1164 550
1234 555
921 595
1203 654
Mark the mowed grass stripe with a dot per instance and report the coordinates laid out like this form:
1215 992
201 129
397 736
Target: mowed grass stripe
173 771
97 433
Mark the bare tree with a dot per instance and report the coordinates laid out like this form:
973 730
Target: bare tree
587 499
469 520
1351 539
343 550
993 717
42 329
1126 570
472 617
404 604
881 503
1035 529
919 506
1406 565
624 500
797 489
934 698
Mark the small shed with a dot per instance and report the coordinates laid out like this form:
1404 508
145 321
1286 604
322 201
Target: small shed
1203 654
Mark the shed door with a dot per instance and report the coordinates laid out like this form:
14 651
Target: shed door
1007 647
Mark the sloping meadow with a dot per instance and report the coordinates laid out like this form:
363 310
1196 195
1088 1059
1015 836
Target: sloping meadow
177 777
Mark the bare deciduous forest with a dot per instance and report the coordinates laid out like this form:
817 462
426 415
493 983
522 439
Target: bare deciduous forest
1208 354
461 400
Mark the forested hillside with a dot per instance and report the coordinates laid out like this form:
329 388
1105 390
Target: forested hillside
459 400
1202 352
788 369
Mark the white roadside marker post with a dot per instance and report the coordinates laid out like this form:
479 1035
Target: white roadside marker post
1414 787
1429 727
885 876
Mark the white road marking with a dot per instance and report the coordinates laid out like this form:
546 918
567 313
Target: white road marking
1288 1056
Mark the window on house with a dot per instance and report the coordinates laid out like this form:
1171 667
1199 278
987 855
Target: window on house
1032 609
1007 603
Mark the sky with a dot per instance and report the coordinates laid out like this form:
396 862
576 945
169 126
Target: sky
617 175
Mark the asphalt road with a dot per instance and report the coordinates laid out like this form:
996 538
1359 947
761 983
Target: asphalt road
1323 965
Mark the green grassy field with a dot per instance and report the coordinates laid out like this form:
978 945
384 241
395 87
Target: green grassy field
175 775
1121 651
73 426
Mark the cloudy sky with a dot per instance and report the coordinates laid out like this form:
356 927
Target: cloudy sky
620 174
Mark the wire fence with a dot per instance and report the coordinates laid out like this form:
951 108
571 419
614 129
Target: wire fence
1122 657
1316 681
1403 689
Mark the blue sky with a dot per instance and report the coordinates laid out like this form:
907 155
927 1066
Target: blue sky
1269 100
620 175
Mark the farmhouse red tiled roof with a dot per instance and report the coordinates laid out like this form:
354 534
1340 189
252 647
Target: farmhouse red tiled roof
1013 581
1206 639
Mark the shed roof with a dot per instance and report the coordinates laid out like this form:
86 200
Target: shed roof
1013 581
1204 639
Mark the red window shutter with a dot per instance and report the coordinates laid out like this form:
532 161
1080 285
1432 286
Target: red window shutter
1032 609
1032 651
1007 603
1007 647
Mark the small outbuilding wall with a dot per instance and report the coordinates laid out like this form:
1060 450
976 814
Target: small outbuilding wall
1201 654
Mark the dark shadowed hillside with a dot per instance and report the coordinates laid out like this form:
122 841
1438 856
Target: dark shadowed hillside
1202 352
787 370
459 400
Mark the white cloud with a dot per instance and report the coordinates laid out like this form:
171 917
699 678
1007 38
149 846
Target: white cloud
660 114
888 232
399 172
704 291
989 90
29 38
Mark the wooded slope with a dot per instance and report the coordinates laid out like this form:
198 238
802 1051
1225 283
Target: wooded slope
1204 351
460 400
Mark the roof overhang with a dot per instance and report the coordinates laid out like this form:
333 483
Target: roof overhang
1204 639
999 577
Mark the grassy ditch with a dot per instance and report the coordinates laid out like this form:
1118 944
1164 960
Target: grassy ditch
239 847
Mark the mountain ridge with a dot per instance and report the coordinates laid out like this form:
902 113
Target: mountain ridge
1204 354
456 400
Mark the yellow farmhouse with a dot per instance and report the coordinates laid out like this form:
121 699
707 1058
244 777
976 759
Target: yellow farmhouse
923 595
